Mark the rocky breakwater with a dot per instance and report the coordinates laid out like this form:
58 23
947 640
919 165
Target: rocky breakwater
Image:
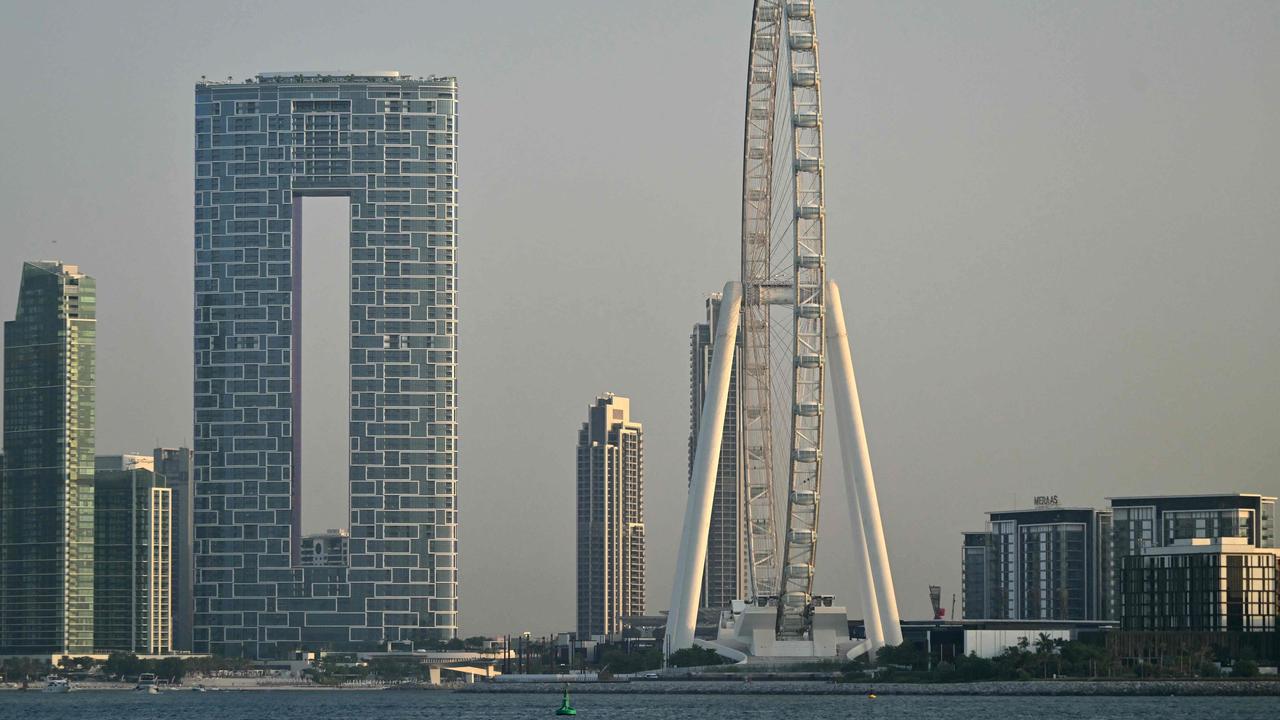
1135 688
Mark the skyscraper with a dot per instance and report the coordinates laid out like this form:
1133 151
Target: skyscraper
46 491
610 518
386 142
133 580
174 465
723 578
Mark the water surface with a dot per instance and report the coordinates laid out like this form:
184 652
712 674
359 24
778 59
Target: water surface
393 705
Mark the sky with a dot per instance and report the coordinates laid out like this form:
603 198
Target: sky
1055 227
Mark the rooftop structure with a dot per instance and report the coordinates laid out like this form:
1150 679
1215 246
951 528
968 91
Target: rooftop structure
288 77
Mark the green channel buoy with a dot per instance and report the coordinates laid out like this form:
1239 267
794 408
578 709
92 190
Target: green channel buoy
565 708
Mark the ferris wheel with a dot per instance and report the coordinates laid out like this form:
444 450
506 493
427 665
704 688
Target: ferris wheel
789 325
783 267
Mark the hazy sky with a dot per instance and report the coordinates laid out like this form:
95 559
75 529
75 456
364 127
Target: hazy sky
1055 226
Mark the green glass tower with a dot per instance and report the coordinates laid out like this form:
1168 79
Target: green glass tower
132 562
46 490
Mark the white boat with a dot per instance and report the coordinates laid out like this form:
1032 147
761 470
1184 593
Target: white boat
54 684
147 684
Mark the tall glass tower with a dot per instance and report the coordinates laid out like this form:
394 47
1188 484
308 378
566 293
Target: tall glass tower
46 489
386 142
723 577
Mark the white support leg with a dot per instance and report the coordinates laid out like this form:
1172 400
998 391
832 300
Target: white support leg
872 623
853 442
691 560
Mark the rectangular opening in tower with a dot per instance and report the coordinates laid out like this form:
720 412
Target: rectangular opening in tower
325 254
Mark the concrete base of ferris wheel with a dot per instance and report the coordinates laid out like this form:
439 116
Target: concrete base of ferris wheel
748 635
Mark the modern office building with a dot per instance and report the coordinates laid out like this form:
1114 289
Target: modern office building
1153 521
611 562
723 579
133 579
1047 563
46 490
330 548
1218 584
174 466
387 143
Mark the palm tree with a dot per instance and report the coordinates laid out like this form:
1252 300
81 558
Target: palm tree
1044 649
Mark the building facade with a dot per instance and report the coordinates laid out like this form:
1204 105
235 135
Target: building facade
610 528
1153 521
174 466
1223 584
125 461
386 142
46 490
133 577
1049 563
724 578
983 581
330 548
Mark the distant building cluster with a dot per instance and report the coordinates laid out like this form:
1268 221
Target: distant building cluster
202 549
93 548
1203 563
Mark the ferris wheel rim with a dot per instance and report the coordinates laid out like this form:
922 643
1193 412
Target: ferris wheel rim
782 27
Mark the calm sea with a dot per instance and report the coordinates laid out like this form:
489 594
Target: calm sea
391 705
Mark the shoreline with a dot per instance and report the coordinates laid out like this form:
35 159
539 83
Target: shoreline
1028 688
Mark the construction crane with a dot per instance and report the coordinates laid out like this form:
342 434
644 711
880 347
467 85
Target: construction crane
935 597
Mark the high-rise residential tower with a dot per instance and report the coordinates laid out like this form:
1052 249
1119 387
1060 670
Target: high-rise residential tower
610 518
133 550
46 490
387 143
174 466
723 577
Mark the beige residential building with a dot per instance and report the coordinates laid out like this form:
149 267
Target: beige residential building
611 562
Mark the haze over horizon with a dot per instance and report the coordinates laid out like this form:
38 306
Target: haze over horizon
1054 226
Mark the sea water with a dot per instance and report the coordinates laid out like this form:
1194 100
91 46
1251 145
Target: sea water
392 705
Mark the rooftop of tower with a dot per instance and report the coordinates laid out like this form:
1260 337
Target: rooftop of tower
294 77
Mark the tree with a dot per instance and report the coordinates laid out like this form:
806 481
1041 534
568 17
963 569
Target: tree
1244 669
122 664
616 661
397 669
171 668
971 668
906 655
19 669
455 644
695 657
